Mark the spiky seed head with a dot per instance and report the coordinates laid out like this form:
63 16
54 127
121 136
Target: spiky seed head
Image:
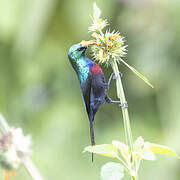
110 46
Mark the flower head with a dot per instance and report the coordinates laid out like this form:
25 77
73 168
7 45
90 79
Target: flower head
124 149
13 144
98 25
142 150
110 46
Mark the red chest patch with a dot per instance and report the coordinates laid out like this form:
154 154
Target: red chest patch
95 69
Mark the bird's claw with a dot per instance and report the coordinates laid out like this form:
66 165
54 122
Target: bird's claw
114 76
120 105
124 105
106 86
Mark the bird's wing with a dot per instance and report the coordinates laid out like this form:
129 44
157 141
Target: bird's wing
98 91
93 92
86 92
88 99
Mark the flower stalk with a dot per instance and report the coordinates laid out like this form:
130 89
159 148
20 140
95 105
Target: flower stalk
124 108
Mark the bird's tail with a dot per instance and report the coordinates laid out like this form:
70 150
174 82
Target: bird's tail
92 135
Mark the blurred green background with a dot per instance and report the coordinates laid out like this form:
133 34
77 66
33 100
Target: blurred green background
39 90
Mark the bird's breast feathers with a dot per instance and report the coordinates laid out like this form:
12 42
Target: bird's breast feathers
95 69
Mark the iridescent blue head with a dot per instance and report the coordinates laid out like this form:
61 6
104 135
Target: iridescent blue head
76 51
79 62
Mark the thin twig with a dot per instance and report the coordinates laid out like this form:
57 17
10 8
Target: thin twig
31 169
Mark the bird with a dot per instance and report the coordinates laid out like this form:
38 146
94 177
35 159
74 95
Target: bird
92 83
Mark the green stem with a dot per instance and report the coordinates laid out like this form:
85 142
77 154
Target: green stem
121 96
124 164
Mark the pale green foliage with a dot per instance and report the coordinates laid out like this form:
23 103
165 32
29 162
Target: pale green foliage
103 149
112 171
137 73
159 149
141 151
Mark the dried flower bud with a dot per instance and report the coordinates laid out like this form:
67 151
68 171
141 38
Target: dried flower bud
101 54
98 25
95 35
84 43
114 36
109 44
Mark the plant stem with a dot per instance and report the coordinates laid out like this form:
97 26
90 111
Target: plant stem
31 169
121 96
126 121
123 163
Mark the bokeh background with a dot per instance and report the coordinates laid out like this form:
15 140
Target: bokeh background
39 90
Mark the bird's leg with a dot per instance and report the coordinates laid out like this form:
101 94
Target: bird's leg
109 100
112 76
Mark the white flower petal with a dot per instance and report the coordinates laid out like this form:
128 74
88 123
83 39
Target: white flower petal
97 11
148 155
138 144
124 150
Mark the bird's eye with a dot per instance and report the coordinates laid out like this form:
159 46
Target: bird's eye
80 49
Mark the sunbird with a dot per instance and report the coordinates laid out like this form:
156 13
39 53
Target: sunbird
92 83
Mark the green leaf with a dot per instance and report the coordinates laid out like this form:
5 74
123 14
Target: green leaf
112 171
160 149
97 11
137 73
104 149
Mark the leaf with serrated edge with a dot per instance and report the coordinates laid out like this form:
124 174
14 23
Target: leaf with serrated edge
104 149
160 149
112 171
137 73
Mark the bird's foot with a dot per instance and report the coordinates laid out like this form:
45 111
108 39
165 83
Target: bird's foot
109 100
106 86
115 102
114 76
124 105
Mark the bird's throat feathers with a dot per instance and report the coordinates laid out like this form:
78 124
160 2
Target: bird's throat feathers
81 66
78 63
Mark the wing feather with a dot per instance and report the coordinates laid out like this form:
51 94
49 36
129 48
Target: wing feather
86 92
